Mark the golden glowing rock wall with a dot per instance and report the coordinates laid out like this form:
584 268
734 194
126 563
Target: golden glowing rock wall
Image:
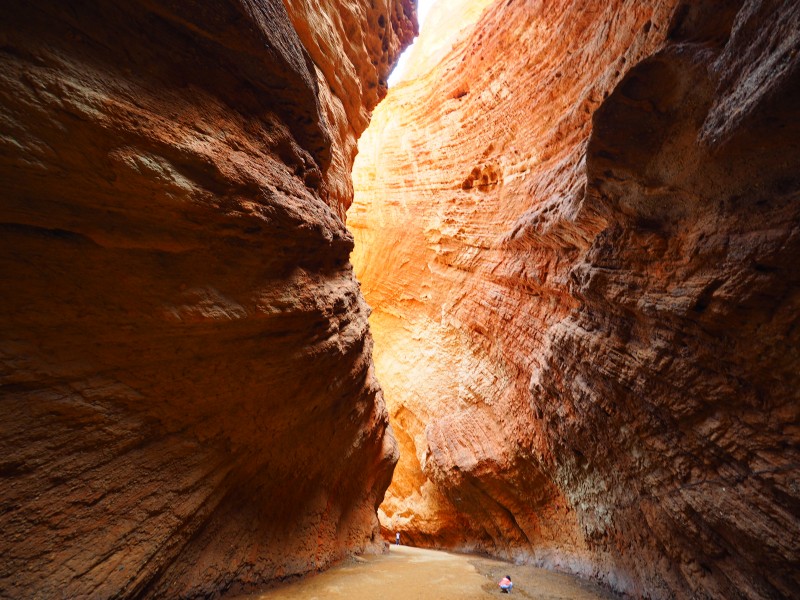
579 235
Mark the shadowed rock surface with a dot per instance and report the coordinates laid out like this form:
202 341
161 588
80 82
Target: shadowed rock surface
580 235
186 386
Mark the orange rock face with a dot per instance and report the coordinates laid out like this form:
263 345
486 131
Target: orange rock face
579 233
188 402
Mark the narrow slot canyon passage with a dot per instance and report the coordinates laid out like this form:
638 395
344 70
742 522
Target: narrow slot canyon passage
536 304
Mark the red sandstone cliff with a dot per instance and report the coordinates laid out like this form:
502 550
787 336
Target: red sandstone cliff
188 403
580 235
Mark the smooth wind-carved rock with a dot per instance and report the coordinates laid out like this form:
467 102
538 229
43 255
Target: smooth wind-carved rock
186 386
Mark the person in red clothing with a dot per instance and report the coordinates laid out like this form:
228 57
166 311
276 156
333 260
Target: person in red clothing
506 585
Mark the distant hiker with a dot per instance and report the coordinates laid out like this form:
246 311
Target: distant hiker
506 585
397 539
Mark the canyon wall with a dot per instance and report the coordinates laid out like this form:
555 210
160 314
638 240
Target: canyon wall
187 391
578 225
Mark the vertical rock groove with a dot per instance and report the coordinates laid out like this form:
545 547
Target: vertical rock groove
578 231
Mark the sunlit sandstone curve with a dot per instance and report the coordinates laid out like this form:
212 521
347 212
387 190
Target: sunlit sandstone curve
578 233
186 385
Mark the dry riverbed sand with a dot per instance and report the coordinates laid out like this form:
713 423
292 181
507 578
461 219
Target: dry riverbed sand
407 573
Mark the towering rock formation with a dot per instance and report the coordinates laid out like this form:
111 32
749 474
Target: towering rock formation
188 403
580 232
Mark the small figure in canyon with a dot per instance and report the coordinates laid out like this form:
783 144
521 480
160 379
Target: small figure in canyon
397 539
506 585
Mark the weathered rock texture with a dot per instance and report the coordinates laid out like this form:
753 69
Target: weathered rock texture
580 235
188 403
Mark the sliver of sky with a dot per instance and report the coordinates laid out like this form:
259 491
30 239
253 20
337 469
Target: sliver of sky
423 6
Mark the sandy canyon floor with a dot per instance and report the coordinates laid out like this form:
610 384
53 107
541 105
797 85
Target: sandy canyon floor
412 573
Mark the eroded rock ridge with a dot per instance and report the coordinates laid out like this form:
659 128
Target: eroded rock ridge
580 232
187 394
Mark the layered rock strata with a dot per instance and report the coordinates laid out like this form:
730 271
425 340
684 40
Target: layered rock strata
187 393
579 232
